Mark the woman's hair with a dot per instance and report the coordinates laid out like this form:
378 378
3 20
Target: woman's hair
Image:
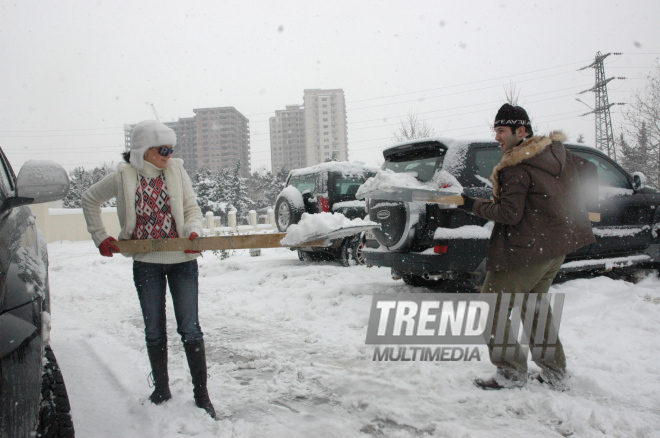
127 156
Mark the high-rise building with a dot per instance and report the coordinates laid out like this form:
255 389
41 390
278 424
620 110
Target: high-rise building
302 136
287 138
325 126
216 138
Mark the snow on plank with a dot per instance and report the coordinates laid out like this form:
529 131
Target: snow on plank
324 226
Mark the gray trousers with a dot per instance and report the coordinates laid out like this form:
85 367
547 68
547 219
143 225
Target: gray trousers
533 279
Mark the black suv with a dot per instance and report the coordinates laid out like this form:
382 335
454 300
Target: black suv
426 244
325 187
33 399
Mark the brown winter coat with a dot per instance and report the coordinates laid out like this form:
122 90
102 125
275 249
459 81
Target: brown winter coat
538 206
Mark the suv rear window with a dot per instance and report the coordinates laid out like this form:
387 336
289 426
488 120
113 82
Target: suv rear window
343 188
423 164
304 183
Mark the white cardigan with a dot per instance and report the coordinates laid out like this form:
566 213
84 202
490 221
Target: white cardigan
122 184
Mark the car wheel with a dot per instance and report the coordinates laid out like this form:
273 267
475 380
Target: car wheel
54 410
351 251
306 256
286 214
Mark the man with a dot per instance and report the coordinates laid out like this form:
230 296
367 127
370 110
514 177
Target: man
540 216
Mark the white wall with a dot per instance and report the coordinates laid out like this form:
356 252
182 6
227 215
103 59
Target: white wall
59 223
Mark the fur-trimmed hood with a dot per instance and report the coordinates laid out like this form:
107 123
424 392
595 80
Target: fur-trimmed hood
534 152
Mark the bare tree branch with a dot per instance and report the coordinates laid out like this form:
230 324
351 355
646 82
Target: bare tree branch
412 128
512 94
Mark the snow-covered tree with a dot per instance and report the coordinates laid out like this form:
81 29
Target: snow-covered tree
79 181
237 193
204 184
643 125
637 157
263 188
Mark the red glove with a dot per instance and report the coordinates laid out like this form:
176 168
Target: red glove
106 247
192 236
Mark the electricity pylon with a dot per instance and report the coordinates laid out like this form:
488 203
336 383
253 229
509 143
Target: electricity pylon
604 133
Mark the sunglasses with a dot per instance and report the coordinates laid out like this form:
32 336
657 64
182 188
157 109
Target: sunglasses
165 151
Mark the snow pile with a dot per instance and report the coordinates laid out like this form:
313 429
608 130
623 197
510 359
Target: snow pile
311 225
346 168
465 232
608 192
618 231
293 195
444 180
389 181
456 153
348 204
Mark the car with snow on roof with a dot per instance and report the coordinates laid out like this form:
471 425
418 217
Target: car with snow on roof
328 187
33 398
435 244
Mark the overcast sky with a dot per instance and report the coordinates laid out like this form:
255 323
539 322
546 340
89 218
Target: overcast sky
73 72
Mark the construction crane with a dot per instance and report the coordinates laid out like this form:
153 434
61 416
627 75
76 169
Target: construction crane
153 108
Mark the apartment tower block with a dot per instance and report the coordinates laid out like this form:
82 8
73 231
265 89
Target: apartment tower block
216 138
315 132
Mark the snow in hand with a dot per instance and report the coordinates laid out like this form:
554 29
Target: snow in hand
287 358
311 225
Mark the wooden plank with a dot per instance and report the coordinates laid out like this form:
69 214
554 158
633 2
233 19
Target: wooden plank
453 199
243 241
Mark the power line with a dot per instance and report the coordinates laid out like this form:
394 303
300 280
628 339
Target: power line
57 135
66 130
348 102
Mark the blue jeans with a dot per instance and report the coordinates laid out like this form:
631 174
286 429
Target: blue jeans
150 281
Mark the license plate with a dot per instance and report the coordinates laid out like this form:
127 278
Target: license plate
370 236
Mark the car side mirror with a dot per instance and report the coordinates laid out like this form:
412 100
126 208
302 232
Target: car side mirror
38 181
639 181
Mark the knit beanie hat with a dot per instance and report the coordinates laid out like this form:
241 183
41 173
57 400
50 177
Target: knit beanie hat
513 116
149 134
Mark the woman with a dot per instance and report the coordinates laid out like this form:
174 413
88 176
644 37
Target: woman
155 200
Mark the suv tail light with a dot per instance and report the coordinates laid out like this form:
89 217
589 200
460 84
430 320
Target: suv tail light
440 249
324 204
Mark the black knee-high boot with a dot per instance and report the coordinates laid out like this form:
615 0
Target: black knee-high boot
196 355
158 359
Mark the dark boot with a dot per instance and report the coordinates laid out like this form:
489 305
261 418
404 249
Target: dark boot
158 359
502 380
196 355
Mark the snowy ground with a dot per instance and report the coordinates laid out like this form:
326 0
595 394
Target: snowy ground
287 358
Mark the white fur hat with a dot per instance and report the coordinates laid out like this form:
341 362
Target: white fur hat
149 134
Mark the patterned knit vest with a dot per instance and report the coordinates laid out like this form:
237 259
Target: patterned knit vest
152 207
